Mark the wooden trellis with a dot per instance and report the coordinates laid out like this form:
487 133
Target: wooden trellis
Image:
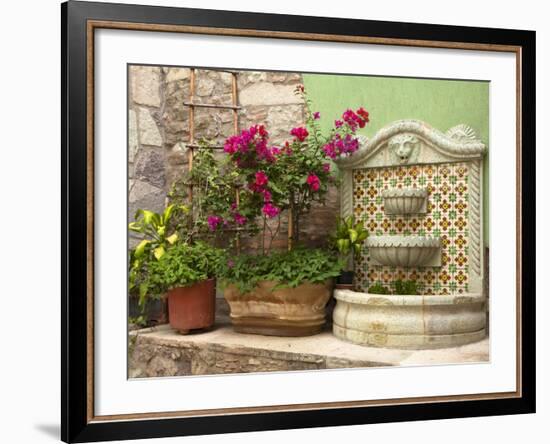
192 144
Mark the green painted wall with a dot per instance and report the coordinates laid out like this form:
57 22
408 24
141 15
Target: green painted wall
440 103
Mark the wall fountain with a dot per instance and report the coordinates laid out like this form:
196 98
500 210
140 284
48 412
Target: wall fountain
419 193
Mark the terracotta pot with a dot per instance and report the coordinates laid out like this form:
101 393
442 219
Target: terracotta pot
192 307
296 311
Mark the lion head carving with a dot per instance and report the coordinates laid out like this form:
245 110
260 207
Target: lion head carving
404 147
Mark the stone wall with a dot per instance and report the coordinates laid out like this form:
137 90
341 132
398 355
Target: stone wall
159 130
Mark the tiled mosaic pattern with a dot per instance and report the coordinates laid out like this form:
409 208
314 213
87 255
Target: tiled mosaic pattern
447 217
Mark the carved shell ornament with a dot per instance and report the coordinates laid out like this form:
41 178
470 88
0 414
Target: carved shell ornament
463 133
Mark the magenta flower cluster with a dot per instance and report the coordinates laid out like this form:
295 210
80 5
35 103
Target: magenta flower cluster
338 146
251 143
344 142
300 133
214 222
313 182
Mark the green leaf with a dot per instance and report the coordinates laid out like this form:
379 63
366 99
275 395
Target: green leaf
167 214
140 249
143 288
159 252
135 226
148 216
172 239
352 235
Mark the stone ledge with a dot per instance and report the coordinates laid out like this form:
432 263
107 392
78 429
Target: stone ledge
160 351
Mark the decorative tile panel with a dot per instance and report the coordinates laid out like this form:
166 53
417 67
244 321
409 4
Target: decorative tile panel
447 217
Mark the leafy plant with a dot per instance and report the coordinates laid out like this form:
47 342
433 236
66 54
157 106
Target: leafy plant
349 237
406 287
155 227
378 288
289 269
160 233
181 266
139 321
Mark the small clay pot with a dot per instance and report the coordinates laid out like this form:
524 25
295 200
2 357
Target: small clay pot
192 307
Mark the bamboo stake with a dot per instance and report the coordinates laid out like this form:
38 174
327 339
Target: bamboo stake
290 228
235 130
237 235
191 128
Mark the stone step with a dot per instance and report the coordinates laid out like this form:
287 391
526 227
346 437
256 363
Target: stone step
161 351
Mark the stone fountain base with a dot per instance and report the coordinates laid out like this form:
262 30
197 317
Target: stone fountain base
409 321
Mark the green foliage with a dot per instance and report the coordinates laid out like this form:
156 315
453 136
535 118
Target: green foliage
349 236
159 232
140 321
182 265
406 287
289 269
400 287
155 227
378 288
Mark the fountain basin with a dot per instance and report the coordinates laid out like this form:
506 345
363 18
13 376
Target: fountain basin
405 251
405 200
409 321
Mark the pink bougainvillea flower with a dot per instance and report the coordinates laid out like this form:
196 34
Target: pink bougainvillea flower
270 210
267 195
330 150
338 146
338 123
275 150
300 133
313 182
316 115
214 222
239 219
326 167
230 263
261 179
250 141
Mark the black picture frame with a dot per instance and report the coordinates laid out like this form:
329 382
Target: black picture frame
77 424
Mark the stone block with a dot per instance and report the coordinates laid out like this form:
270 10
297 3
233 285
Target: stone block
145 82
268 94
149 133
175 74
149 166
132 135
161 351
144 195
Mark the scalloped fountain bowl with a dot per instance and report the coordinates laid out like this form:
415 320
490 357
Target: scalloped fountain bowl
405 200
405 251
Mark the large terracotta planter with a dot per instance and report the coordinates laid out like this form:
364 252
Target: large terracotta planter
296 311
192 307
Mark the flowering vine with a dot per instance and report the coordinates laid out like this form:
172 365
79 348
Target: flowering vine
260 181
